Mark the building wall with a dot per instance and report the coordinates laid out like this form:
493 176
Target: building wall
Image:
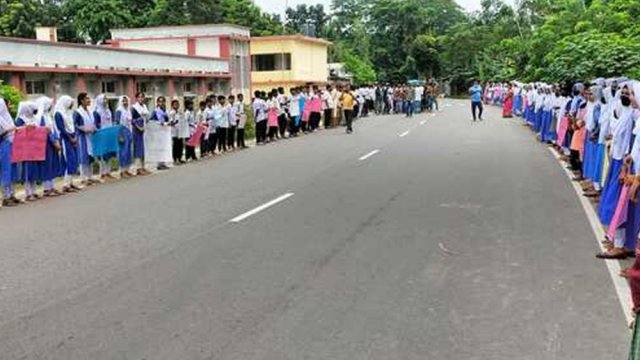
29 53
171 46
208 47
308 63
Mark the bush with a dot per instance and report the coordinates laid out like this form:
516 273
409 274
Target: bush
12 96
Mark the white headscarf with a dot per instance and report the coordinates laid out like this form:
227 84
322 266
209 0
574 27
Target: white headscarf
6 122
63 108
27 112
44 108
125 112
102 108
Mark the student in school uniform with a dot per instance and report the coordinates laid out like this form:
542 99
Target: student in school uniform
140 114
221 120
272 115
294 111
192 125
178 126
315 108
160 115
104 119
7 128
52 166
242 121
282 114
212 102
260 117
327 107
30 171
124 118
86 126
232 111
305 108
69 141
201 120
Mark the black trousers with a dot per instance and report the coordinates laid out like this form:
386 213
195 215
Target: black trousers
476 105
240 139
190 153
574 160
314 120
178 149
213 141
328 114
303 126
348 117
222 138
261 131
204 146
282 124
273 132
231 137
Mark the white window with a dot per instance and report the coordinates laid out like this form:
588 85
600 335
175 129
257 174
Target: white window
36 87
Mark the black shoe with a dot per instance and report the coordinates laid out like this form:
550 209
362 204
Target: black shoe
163 167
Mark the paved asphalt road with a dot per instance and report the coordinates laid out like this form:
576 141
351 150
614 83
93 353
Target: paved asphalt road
458 240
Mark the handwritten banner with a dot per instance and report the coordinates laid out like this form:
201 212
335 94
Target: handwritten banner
29 144
105 141
157 142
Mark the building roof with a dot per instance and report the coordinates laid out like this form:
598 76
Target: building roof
296 37
180 31
18 52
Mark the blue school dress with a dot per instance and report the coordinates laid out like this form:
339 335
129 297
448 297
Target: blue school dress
85 149
69 160
138 136
124 155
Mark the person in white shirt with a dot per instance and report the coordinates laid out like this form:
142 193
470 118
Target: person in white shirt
209 116
192 125
327 107
295 112
260 117
242 121
233 123
221 119
282 114
177 123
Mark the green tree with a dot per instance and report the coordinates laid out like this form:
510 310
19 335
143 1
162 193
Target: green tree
12 96
426 55
302 17
18 18
93 19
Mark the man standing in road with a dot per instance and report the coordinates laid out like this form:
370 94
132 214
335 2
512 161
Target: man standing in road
476 99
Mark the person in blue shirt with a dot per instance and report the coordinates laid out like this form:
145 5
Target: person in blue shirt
476 99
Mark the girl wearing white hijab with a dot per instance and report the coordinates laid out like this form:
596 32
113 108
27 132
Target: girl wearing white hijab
104 119
7 170
86 125
31 171
140 115
69 141
124 117
52 167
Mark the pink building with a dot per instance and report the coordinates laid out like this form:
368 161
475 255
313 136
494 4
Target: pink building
154 63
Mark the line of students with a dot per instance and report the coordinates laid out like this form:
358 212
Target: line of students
69 149
221 120
594 127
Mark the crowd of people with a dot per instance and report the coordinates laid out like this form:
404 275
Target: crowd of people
220 121
594 127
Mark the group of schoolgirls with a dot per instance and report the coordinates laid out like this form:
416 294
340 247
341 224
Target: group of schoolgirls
71 123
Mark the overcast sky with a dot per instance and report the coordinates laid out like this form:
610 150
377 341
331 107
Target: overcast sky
278 6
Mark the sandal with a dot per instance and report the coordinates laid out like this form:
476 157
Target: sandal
608 255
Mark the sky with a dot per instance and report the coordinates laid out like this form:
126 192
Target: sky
278 6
